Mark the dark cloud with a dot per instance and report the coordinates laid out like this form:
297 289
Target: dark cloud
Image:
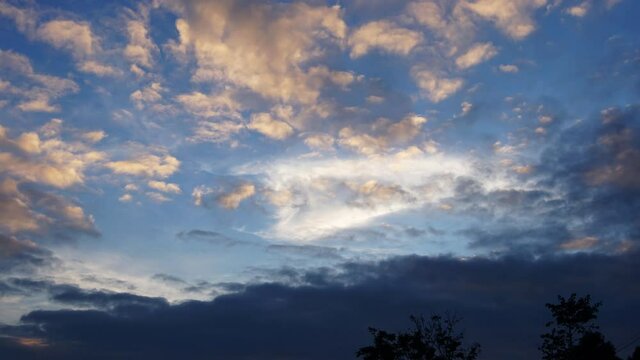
501 301
585 185
22 255
313 251
72 295
211 237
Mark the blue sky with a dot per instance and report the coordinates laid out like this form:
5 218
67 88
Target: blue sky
148 147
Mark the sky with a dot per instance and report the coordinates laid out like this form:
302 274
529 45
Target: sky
175 172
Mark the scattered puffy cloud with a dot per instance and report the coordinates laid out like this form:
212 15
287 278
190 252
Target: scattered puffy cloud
513 17
140 48
76 37
232 199
157 197
320 141
146 164
508 68
25 209
24 18
42 90
148 95
435 86
466 107
97 68
164 187
579 10
94 136
477 54
384 35
382 135
259 46
50 161
271 126
362 143
222 105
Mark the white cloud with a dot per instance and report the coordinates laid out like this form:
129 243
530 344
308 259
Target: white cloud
382 135
579 10
148 95
140 48
466 107
36 90
477 54
383 35
164 187
435 86
513 17
221 104
320 141
232 199
76 37
97 68
259 46
508 68
319 197
146 165
51 161
270 125
94 136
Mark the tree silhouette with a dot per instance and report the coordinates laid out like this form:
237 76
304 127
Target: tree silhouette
573 333
636 354
433 339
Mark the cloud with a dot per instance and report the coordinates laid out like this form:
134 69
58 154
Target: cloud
140 48
216 131
164 187
580 10
148 95
97 68
51 161
211 237
513 17
271 125
42 90
584 243
146 164
76 37
508 68
24 18
28 210
336 306
20 255
315 198
362 143
94 136
435 86
221 104
383 35
466 107
320 141
232 199
384 134
477 54
258 46
447 20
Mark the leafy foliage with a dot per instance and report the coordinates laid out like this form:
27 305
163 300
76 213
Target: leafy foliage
573 334
432 339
